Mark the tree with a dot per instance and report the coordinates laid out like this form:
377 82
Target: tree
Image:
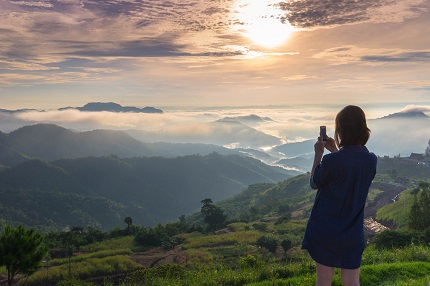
21 251
213 215
415 215
419 216
129 221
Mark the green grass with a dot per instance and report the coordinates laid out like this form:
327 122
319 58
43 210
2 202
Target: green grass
218 260
393 273
83 257
92 267
397 212
412 253
109 244
227 239
373 193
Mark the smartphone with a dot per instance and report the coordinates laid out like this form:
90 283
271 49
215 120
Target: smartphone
323 132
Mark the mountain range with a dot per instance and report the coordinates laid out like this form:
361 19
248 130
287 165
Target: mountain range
53 177
96 107
51 142
230 133
113 107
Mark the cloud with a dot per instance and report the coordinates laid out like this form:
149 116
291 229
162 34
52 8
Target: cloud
313 14
389 137
412 56
416 108
298 77
354 54
288 124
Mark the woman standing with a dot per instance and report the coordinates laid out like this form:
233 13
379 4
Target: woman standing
334 235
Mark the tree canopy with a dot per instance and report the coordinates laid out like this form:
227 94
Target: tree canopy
214 216
21 251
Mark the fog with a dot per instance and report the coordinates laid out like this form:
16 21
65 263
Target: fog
268 127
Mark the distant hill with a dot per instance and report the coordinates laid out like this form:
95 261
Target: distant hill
399 133
97 106
224 133
51 142
152 190
295 149
17 110
294 193
113 107
409 114
252 118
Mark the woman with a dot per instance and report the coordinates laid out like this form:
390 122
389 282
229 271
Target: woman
334 235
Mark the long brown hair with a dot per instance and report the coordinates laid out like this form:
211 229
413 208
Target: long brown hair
351 127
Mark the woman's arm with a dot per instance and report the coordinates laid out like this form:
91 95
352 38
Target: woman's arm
319 152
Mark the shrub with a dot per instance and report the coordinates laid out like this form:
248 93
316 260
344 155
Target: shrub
393 239
268 242
261 226
248 261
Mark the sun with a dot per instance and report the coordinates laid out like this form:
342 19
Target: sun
260 22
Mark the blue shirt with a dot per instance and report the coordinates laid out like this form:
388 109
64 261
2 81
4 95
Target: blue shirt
334 234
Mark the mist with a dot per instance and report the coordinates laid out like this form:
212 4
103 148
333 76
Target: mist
274 127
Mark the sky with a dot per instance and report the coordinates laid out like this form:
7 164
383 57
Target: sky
205 53
296 62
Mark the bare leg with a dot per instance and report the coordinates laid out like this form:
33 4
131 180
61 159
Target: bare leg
350 277
324 275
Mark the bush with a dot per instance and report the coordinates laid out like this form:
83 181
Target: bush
248 261
261 226
268 242
394 239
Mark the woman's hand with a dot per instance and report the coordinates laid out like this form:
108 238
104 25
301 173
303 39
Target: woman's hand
319 146
331 145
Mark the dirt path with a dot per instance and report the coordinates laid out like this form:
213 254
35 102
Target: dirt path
389 193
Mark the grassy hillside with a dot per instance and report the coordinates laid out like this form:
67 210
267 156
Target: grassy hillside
397 212
230 257
270 199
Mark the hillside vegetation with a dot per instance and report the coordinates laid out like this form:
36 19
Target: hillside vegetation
258 245
100 191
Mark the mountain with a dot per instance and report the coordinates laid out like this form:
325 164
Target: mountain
247 119
399 133
17 110
295 149
233 134
51 142
409 114
112 107
153 190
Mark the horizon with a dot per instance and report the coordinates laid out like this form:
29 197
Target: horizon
279 125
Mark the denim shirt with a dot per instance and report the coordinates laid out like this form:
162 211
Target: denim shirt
334 235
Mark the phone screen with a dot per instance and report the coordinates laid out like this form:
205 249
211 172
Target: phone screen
323 132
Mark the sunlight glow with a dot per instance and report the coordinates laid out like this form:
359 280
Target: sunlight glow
261 23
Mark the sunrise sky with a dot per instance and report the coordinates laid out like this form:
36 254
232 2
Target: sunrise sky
56 53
